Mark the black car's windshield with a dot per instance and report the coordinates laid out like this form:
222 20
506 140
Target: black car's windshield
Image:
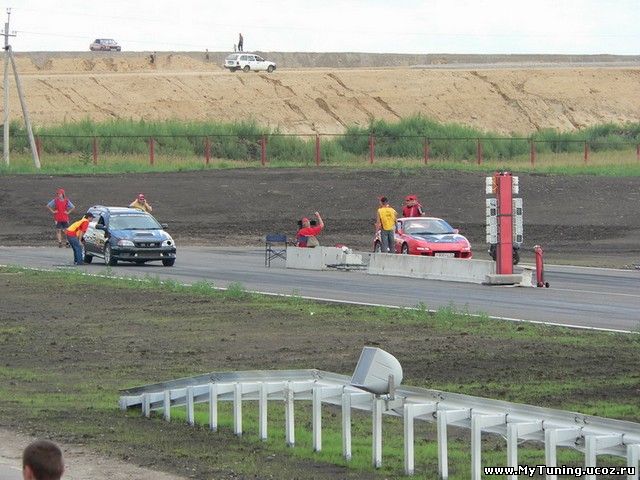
427 226
133 222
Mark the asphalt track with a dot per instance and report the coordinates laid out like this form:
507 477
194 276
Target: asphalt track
580 297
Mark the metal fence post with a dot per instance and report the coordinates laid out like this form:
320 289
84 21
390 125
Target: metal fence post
151 151
263 150
39 146
586 152
95 150
533 153
207 151
372 148
426 151
317 150
479 152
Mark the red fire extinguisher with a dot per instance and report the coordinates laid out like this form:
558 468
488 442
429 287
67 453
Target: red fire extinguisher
540 267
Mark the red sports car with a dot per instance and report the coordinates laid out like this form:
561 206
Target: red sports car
427 236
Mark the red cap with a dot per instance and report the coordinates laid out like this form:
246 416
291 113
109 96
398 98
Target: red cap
60 191
141 196
304 219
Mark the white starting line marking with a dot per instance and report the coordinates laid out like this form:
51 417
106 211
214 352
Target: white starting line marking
353 302
633 295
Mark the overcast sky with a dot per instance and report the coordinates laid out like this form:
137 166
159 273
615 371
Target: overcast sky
403 26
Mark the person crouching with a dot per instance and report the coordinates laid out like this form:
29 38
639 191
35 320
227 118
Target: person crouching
75 234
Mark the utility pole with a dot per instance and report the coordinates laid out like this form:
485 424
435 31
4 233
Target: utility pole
8 56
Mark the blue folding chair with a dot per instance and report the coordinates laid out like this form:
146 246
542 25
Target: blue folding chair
275 246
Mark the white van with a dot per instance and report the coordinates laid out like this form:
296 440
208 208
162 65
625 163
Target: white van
247 62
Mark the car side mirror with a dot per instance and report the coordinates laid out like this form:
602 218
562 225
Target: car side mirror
164 225
455 230
101 227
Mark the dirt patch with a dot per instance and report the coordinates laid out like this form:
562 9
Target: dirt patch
520 98
581 219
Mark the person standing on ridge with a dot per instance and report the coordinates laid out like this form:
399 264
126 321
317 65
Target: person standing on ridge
240 43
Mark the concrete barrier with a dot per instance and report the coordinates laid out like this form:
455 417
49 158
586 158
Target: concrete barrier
432 268
314 258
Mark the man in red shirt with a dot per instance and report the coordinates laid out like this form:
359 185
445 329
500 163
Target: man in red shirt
306 236
412 207
75 232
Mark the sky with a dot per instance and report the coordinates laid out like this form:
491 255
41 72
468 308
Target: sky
384 26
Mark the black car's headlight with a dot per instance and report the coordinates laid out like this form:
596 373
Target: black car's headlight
125 243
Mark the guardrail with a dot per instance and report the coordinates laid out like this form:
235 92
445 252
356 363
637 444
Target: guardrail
516 422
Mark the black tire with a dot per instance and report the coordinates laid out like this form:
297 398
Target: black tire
246 69
377 248
233 69
270 68
87 258
140 262
405 249
108 257
168 262
516 256
493 253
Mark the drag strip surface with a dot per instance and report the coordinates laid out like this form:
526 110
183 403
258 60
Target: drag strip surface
583 297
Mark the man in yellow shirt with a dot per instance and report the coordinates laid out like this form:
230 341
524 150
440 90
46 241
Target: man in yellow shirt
386 223
141 204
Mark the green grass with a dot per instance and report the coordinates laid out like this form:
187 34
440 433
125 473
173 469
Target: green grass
63 380
124 148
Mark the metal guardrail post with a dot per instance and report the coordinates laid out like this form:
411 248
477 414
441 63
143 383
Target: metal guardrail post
514 432
478 423
316 418
633 461
346 425
410 411
237 409
290 434
213 407
262 415
376 436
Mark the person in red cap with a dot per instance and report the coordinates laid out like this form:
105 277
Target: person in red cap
141 204
61 207
307 235
412 207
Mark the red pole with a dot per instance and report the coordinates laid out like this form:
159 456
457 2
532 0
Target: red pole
533 153
638 151
317 150
479 152
505 223
426 151
39 146
586 152
151 151
207 151
263 150
540 267
372 148
95 151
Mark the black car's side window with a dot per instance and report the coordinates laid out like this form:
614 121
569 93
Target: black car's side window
100 220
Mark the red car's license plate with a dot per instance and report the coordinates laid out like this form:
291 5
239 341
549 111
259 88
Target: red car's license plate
445 254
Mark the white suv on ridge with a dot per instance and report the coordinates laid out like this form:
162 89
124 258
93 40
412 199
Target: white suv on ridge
247 62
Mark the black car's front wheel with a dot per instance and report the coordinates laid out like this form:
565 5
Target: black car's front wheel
168 262
87 258
405 249
108 256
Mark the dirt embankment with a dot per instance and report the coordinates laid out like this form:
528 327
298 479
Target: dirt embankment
592 220
306 95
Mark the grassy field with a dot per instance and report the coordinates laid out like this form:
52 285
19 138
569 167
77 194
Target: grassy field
619 163
69 342
123 146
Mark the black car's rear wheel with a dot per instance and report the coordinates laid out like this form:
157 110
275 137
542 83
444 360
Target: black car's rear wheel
270 68
246 69
108 256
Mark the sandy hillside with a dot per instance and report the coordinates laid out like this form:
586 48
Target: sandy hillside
516 98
